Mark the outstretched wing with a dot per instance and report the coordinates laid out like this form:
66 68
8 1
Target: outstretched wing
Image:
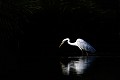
85 46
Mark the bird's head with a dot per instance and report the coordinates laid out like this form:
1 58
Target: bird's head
64 41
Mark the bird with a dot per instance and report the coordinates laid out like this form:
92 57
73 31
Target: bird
81 44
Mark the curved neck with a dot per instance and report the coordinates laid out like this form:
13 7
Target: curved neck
68 40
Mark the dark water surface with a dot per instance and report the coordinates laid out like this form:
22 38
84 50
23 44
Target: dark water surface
48 67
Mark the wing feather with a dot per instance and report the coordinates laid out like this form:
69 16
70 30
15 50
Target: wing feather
85 46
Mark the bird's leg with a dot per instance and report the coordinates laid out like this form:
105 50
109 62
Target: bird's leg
87 56
82 52
86 53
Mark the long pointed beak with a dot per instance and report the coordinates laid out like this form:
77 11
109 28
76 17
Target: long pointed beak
60 44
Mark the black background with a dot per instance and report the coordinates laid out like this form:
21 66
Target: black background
31 31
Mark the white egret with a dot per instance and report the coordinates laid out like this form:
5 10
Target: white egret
81 44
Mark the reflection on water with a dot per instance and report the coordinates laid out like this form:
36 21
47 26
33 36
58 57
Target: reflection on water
75 65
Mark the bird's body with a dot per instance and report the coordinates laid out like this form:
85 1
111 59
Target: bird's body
81 44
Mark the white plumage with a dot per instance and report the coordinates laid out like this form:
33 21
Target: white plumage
83 45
